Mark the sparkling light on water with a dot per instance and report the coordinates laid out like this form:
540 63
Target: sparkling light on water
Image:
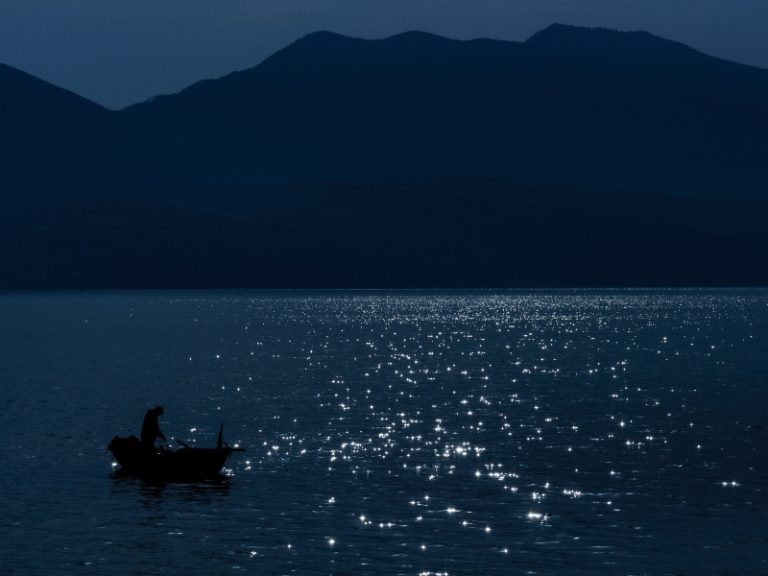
431 433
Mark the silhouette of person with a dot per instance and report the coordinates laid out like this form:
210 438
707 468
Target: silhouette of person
150 428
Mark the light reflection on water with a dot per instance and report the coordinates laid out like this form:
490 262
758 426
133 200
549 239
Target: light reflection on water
393 433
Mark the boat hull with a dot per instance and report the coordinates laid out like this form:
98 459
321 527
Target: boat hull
181 464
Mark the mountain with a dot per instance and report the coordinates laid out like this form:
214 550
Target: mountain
568 107
45 131
579 157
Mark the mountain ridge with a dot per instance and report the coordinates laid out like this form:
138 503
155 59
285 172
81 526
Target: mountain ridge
580 156
425 85
553 30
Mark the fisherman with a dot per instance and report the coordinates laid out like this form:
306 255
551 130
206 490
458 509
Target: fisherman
150 428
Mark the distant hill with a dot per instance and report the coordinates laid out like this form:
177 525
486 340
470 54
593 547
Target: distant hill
45 132
579 157
568 107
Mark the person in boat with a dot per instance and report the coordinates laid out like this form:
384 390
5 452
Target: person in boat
150 428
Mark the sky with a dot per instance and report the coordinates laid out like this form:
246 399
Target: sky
119 52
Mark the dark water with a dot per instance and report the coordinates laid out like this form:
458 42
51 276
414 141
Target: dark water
595 432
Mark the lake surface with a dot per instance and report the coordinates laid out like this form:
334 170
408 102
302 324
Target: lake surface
419 433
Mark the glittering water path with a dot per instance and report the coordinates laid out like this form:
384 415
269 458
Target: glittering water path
579 432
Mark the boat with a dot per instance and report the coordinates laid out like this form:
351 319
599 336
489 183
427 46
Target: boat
183 464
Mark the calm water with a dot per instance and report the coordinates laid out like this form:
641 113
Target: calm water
424 433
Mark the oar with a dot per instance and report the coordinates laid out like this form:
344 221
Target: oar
221 444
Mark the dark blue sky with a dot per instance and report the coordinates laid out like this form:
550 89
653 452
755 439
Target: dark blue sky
118 52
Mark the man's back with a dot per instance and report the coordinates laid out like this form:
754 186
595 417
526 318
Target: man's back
150 428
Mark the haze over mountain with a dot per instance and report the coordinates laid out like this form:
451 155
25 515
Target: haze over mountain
579 157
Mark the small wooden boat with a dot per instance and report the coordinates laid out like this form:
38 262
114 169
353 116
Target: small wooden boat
186 463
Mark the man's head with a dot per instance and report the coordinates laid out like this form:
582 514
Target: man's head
159 410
